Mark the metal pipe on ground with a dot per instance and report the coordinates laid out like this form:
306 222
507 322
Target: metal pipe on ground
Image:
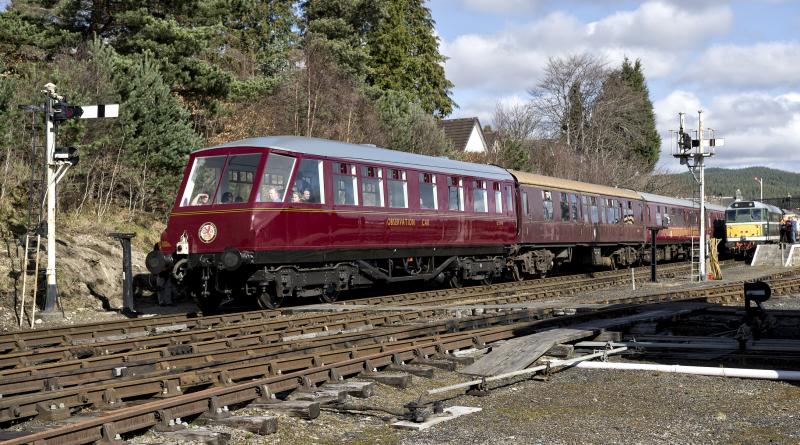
535 369
768 374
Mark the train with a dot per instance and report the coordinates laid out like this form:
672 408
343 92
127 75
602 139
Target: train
281 217
750 223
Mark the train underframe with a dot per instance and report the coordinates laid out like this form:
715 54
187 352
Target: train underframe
216 279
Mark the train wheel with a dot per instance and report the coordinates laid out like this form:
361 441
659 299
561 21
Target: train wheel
456 282
267 300
488 280
329 294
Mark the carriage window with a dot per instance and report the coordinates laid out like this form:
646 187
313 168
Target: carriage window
238 180
203 180
428 196
547 203
479 197
564 205
595 217
585 207
372 186
525 203
610 212
573 206
509 200
498 198
344 184
308 185
275 179
398 189
658 216
455 194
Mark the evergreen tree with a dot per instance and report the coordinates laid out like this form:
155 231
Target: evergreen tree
157 135
404 56
410 128
647 147
573 122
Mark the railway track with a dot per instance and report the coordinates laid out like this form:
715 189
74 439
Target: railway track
133 331
224 377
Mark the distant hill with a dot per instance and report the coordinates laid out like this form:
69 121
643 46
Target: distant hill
724 182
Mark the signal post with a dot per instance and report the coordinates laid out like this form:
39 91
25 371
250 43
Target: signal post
57 162
692 153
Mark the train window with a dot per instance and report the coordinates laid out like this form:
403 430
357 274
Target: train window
573 206
344 184
498 198
308 186
398 189
585 208
612 211
756 214
564 207
658 216
509 200
525 208
237 182
595 216
428 196
203 180
480 201
455 194
276 178
372 186
547 203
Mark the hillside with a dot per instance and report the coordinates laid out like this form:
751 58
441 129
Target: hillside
724 182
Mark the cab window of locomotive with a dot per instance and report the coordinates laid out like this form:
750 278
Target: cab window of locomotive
509 200
756 215
398 189
595 216
308 185
455 194
525 204
203 180
479 197
275 180
372 186
428 196
547 204
564 204
238 179
498 198
344 184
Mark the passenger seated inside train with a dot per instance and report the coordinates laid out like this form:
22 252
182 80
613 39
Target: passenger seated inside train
201 199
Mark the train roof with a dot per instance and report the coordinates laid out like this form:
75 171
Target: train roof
756 205
370 154
567 184
661 199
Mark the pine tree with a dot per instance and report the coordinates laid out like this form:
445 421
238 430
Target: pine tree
404 56
648 145
158 135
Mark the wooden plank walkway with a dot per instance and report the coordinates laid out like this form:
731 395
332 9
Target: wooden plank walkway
519 353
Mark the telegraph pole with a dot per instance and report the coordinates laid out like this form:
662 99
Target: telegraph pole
692 153
57 162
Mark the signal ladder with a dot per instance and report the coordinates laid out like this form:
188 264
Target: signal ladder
695 259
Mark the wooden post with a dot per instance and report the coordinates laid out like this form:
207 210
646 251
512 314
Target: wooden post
35 280
24 279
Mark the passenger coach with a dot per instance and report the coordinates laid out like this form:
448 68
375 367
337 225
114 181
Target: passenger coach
289 216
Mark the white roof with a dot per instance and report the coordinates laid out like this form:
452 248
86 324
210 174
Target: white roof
370 154
650 197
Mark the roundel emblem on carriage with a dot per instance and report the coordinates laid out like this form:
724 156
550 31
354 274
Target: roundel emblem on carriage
207 232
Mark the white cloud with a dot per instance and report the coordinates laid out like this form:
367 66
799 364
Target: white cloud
759 129
767 64
502 6
514 59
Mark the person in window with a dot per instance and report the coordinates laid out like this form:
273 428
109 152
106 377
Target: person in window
201 199
306 196
227 197
239 199
296 197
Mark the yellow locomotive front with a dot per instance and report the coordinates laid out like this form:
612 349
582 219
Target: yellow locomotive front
750 223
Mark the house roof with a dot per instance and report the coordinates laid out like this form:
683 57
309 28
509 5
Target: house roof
459 130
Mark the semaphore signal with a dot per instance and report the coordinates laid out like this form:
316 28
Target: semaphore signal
57 161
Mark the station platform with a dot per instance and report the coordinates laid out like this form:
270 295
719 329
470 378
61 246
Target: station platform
779 255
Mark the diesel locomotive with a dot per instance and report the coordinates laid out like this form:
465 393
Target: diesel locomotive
271 218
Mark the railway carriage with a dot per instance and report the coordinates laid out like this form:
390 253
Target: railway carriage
288 216
275 217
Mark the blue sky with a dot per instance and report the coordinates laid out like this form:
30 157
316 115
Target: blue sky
739 61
